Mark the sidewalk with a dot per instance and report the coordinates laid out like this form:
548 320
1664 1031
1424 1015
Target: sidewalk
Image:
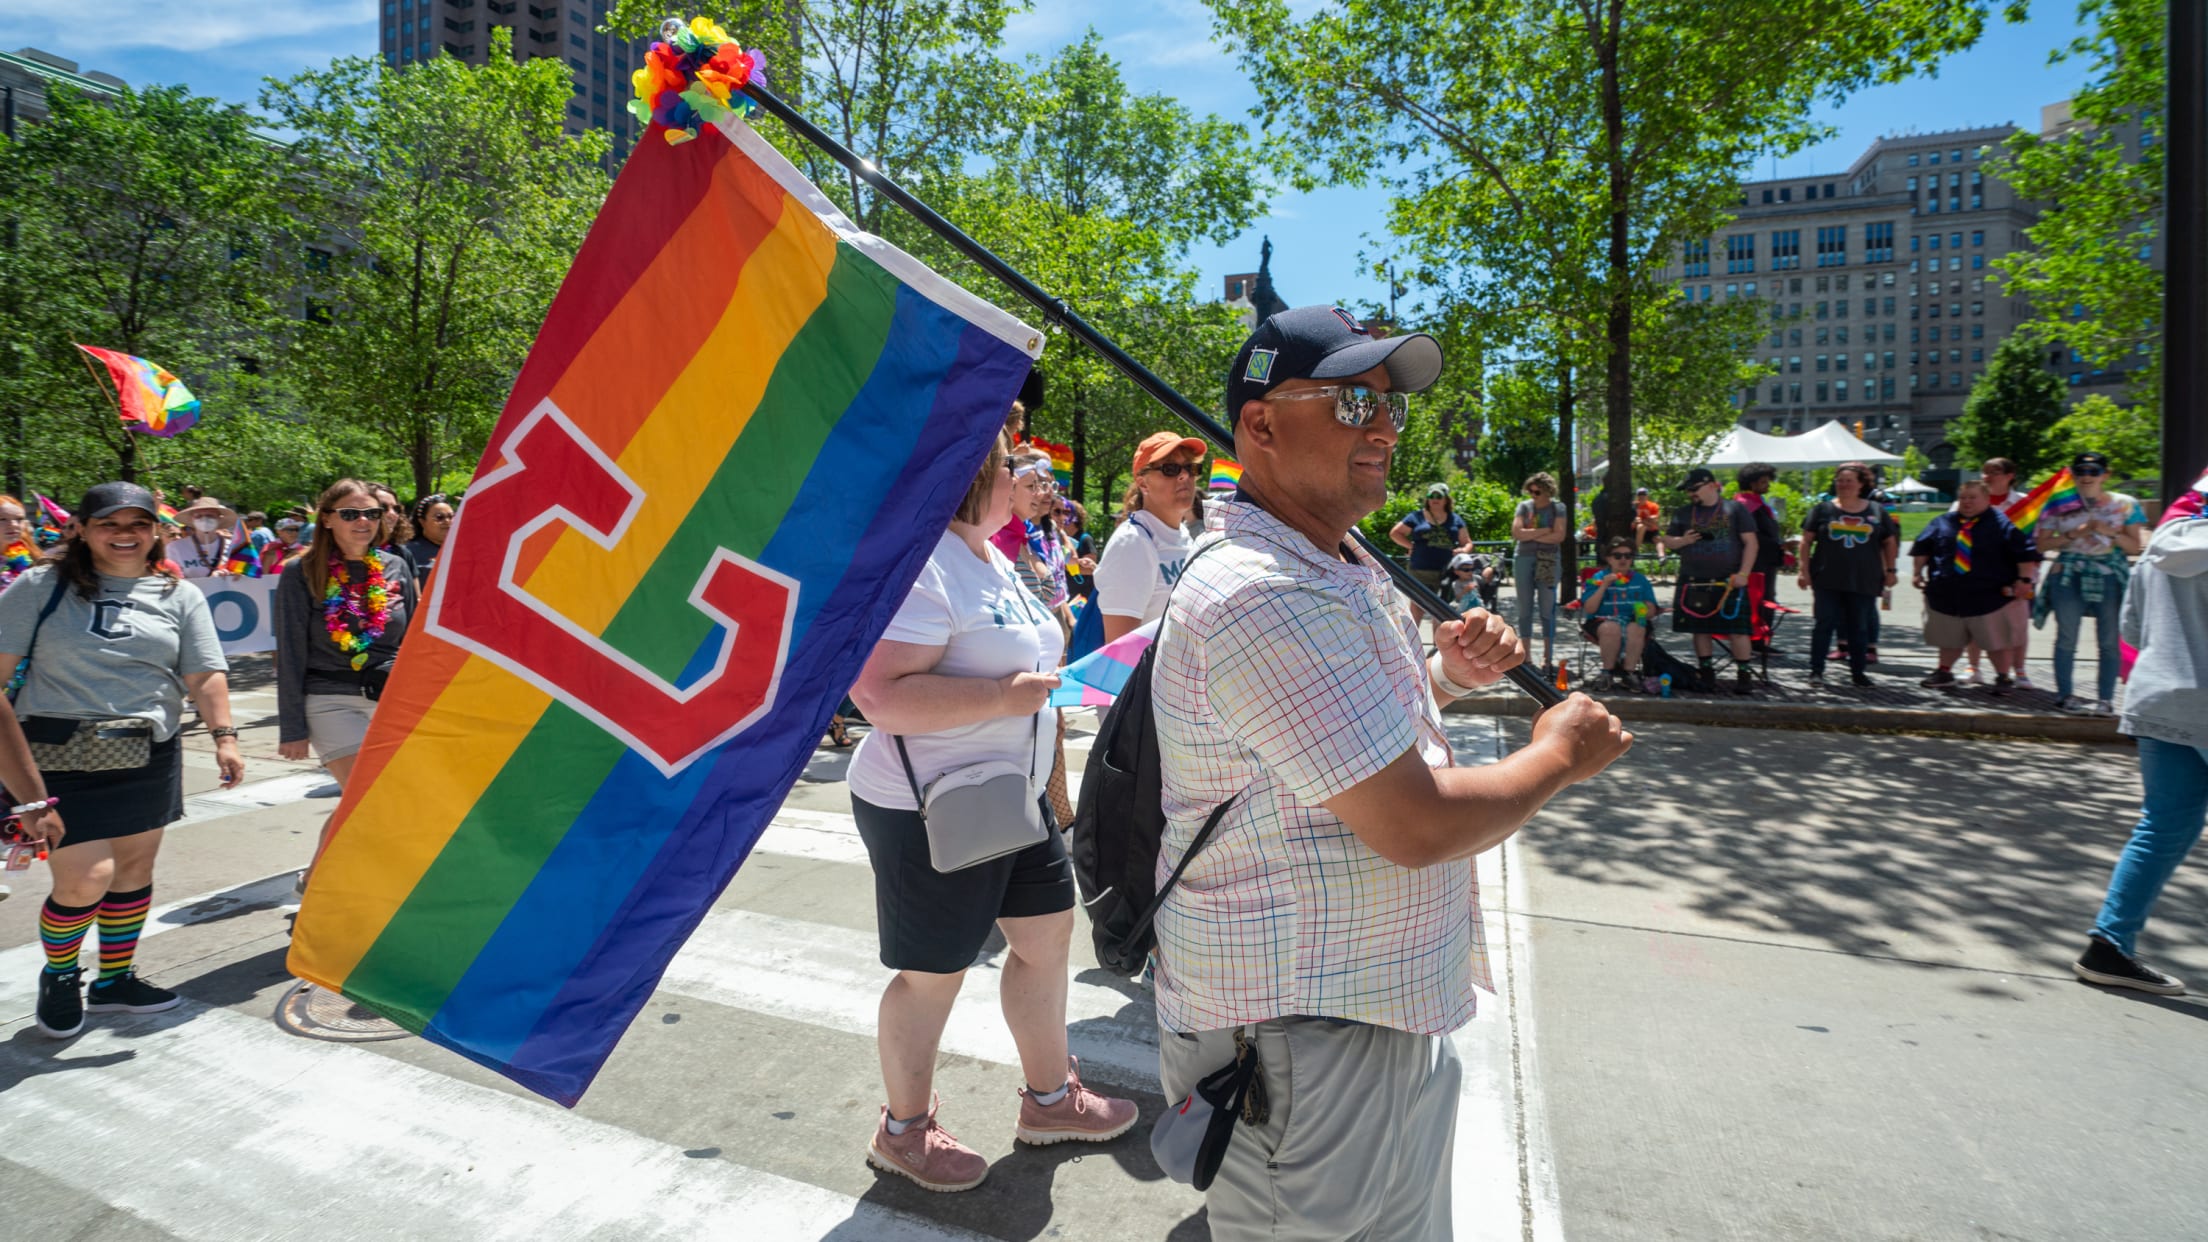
1893 702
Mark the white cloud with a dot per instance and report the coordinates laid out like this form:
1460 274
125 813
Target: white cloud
194 26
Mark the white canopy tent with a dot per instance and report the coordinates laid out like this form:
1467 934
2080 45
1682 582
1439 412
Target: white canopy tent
1829 445
1912 486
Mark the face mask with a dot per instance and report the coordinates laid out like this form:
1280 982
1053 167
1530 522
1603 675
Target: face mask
207 526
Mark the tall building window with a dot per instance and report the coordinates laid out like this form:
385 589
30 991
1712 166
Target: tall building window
1878 242
1786 249
1889 307
1912 159
1934 381
1912 185
1794 365
1740 254
1977 332
1824 363
1776 389
1832 246
1870 306
1840 390
1824 391
1749 289
1732 291
1888 359
1794 394
1821 310
1886 388
1932 157
1698 258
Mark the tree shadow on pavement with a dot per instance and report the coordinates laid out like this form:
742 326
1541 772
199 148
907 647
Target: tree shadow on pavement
1916 848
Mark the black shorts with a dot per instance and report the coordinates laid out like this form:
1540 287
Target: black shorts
936 922
100 806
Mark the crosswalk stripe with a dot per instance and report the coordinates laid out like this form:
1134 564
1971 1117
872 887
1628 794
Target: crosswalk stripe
271 1134
833 977
251 796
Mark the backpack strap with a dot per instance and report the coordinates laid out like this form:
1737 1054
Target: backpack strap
1203 838
53 601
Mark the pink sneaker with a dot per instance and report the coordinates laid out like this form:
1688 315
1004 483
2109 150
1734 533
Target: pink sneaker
1082 1115
927 1154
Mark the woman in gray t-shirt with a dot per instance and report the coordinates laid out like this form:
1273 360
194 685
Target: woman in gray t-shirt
1539 528
115 642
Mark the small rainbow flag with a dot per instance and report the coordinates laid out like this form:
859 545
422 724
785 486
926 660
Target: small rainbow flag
243 562
1096 679
1061 461
150 400
168 515
1226 474
743 428
2057 495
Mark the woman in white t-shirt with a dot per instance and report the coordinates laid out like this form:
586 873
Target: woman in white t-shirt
1135 576
963 674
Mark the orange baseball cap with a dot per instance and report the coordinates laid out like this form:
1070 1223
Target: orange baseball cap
1162 444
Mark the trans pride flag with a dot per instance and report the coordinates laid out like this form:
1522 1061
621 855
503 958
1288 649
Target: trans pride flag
1096 679
742 429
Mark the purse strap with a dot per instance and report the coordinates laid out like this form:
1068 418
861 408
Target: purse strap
920 800
53 601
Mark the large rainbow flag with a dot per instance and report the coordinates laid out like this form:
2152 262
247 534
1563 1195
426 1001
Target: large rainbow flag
652 600
147 397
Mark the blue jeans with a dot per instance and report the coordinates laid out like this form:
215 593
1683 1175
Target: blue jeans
1848 614
2170 820
2068 602
1524 569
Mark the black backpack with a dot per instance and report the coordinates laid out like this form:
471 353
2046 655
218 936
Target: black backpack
1121 821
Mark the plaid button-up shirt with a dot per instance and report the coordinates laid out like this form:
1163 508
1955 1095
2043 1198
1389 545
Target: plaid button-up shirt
1288 676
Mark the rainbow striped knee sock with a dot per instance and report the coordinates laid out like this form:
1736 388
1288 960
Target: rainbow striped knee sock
61 929
121 917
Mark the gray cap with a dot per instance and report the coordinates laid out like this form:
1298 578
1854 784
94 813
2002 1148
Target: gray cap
109 498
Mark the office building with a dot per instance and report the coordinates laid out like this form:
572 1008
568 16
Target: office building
416 30
26 73
1884 301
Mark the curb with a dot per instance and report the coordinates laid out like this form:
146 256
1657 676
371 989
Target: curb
1753 715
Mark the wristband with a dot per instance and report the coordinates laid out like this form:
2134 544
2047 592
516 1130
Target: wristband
1441 679
219 732
29 807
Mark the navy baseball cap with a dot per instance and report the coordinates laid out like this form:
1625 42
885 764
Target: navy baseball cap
109 498
1325 342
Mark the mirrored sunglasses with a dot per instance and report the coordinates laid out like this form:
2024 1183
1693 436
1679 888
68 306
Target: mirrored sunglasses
1355 405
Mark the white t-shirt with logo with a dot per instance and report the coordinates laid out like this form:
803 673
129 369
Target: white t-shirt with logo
193 561
1143 560
988 626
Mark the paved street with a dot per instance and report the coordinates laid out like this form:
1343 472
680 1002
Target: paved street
1755 985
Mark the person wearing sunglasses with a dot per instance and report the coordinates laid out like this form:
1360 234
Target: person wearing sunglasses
341 610
1615 611
397 532
1142 559
1538 561
1327 923
2097 538
432 521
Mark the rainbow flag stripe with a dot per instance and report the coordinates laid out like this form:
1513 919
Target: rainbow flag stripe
2057 495
149 399
1226 474
650 605
1061 461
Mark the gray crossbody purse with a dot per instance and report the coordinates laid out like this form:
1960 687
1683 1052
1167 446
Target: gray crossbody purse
982 810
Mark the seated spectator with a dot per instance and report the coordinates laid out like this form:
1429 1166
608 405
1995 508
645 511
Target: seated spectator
1970 563
1615 611
1471 576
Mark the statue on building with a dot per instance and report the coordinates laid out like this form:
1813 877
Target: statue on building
1263 299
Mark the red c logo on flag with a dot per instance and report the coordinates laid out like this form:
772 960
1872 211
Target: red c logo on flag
550 472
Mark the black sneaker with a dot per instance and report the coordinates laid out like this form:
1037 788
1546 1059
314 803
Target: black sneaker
127 993
2002 684
60 1003
1941 679
1860 679
1744 682
2111 967
1817 680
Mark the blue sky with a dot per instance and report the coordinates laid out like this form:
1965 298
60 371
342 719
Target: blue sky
224 47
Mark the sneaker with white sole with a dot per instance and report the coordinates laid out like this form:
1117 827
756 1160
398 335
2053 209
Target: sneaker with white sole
1972 677
60 1003
1081 1115
127 993
927 1154
2111 967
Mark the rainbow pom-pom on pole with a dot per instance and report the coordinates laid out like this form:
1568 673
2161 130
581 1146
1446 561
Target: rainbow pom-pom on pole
694 75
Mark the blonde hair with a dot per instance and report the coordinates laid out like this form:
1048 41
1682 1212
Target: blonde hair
977 493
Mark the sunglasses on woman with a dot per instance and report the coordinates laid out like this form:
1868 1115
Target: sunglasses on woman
358 515
1355 405
2088 472
1175 469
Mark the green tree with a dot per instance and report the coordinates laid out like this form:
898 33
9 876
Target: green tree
1520 436
2087 270
1914 463
1556 152
2012 410
455 202
157 223
2128 434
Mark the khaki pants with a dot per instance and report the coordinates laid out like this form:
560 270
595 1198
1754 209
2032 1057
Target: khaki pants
1357 1147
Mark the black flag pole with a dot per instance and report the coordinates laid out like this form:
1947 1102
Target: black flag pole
1055 311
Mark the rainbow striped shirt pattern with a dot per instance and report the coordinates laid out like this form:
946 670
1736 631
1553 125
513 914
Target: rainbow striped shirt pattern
1286 677
742 429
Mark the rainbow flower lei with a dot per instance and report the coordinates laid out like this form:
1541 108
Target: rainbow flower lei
14 561
355 618
694 75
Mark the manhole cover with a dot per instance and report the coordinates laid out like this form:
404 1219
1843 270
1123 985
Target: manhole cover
321 1014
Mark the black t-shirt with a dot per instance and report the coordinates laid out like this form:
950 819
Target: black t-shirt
1433 543
1770 548
1998 552
1717 553
1846 550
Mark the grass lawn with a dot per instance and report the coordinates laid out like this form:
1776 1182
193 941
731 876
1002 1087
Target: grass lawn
1912 524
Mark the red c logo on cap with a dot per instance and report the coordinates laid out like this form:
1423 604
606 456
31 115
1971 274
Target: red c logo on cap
1349 321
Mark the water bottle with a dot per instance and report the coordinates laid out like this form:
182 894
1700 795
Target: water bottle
1664 685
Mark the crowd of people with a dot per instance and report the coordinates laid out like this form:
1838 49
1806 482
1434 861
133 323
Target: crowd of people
1319 941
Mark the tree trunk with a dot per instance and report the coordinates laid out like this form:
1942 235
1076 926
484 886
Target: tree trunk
418 456
126 460
1567 478
1616 518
